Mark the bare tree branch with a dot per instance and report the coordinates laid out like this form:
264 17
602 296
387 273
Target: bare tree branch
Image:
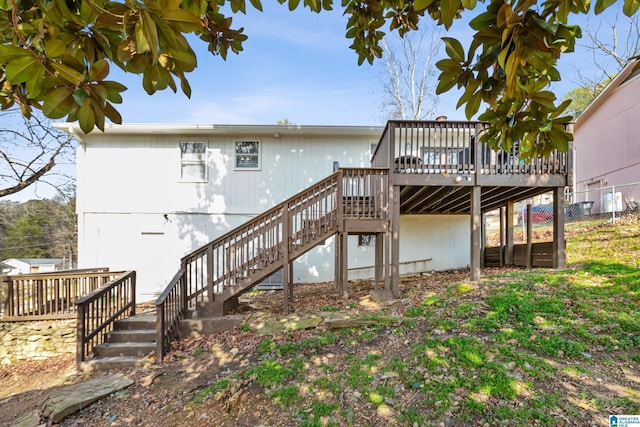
409 78
29 151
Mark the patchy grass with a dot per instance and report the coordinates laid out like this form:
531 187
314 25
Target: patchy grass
523 347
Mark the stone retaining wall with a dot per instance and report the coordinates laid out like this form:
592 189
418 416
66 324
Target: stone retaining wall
36 340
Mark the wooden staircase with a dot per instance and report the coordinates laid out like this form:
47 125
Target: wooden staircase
128 345
217 273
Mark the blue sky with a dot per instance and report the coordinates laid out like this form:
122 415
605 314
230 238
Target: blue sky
295 65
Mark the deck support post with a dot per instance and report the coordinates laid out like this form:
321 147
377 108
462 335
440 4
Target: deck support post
379 262
508 249
502 234
529 238
344 266
395 240
475 220
559 255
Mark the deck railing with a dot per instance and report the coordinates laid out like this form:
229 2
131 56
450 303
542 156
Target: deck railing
98 311
294 226
47 296
454 147
170 309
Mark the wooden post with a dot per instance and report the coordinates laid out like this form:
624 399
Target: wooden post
379 262
285 258
344 266
80 333
395 241
210 270
475 220
559 255
509 233
502 233
291 279
483 234
529 237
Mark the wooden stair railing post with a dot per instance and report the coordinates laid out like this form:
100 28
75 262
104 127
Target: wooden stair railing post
286 232
183 286
80 334
210 293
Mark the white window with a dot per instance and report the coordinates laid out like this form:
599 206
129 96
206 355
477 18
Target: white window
193 161
247 155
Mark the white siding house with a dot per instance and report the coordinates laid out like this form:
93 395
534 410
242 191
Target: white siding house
147 194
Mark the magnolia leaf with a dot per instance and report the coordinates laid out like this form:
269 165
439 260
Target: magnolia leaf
9 53
454 49
187 20
257 5
98 114
630 7
99 70
422 4
86 116
34 84
151 33
142 44
483 20
473 105
22 69
59 102
68 73
55 47
112 114
469 4
448 11
293 4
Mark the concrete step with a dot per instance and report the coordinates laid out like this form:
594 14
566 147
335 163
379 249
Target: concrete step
131 336
208 325
139 321
126 349
109 363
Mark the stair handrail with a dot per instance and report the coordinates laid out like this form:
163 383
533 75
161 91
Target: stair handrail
98 311
170 310
198 272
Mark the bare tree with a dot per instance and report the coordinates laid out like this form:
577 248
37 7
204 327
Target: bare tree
29 151
409 77
612 43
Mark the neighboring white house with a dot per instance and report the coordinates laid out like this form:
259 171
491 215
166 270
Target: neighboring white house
30 265
147 194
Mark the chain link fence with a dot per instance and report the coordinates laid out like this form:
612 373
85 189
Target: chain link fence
586 208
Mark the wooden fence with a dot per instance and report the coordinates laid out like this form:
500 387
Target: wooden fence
49 296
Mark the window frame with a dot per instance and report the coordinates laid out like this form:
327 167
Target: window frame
257 155
195 159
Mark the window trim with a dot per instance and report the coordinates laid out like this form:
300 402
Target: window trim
258 154
194 161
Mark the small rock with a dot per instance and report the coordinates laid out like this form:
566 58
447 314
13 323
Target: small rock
384 410
511 365
234 351
438 403
560 353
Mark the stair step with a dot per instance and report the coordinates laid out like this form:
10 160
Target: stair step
208 325
109 363
124 349
139 321
131 336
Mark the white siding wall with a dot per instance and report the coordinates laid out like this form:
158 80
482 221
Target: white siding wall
134 213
